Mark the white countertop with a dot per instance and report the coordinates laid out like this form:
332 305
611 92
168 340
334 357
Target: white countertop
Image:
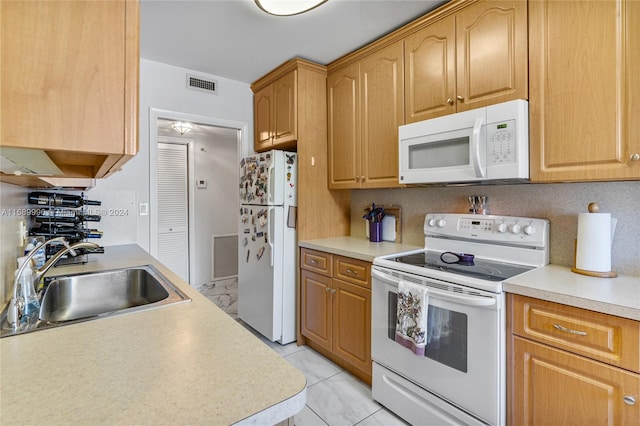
618 296
615 296
188 363
357 248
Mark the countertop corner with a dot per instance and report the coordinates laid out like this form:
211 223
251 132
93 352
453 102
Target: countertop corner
618 296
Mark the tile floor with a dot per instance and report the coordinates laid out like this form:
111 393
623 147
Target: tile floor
334 396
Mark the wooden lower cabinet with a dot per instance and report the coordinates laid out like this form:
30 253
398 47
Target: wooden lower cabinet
555 387
336 309
560 373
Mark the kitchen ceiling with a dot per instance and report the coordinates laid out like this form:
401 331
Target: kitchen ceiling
236 40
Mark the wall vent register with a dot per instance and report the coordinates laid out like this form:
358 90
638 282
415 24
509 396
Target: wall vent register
202 84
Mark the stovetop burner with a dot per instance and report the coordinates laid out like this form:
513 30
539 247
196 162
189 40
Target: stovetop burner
478 268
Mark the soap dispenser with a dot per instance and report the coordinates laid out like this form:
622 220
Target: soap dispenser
31 304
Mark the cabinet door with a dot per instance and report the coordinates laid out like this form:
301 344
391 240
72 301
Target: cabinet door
69 78
430 73
382 111
285 124
352 324
315 307
491 39
343 113
553 387
263 119
584 86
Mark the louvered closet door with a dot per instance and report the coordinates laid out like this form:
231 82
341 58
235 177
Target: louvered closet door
173 208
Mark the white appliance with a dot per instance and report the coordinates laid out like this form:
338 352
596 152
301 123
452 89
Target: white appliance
267 244
460 379
483 144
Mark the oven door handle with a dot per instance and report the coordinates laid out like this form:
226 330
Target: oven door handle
439 294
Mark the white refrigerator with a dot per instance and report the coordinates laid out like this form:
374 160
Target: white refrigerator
267 244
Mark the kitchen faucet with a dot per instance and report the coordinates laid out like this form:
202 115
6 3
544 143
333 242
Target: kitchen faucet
15 313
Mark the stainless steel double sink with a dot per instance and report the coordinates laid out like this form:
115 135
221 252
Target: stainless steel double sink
70 299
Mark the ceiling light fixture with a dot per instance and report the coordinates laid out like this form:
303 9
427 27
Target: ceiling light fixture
288 7
181 127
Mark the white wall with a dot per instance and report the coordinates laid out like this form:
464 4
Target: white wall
13 205
163 87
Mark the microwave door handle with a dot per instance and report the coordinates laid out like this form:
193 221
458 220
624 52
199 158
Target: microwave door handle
475 148
438 294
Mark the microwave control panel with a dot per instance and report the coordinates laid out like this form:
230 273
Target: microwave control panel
501 142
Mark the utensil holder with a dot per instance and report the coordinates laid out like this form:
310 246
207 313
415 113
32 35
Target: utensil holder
375 232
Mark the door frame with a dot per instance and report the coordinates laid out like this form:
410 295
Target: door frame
155 114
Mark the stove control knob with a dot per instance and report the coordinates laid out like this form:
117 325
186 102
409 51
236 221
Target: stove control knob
515 228
502 228
431 222
529 230
442 223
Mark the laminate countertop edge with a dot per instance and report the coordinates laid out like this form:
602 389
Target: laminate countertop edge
357 248
188 363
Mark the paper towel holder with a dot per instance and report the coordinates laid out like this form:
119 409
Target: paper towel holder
593 208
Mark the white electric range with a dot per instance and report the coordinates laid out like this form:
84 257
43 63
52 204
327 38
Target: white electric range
460 379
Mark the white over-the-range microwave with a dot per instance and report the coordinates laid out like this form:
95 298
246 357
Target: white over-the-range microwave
483 144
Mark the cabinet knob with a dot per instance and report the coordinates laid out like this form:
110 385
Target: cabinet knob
634 157
333 291
351 271
460 98
327 289
313 261
450 101
629 400
362 178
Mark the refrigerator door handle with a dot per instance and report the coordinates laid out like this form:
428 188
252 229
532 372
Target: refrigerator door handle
271 182
271 230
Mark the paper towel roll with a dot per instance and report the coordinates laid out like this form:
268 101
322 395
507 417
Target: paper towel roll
593 250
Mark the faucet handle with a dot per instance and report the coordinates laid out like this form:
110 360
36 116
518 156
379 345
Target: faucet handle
68 247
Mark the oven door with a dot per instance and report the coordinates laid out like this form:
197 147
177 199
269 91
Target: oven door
465 355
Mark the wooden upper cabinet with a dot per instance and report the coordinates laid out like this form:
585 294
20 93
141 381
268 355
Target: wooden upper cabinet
365 103
343 121
285 129
70 82
430 71
263 120
275 114
491 47
584 87
381 112
473 58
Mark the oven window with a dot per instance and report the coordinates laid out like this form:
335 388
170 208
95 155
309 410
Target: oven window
446 153
446 334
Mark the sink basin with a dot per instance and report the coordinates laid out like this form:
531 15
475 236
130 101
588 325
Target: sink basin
73 298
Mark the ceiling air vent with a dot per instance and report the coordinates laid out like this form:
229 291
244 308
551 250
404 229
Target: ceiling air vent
197 83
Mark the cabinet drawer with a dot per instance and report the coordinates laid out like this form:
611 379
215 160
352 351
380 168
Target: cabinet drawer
353 270
317 261
603 337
